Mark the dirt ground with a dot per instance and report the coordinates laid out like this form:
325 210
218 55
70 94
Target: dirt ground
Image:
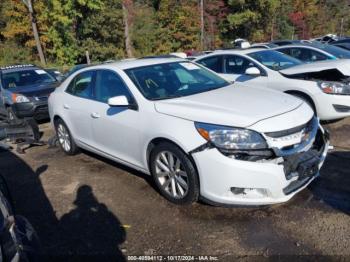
86 207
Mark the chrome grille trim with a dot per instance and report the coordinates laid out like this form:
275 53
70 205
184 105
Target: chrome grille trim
290 131
311 131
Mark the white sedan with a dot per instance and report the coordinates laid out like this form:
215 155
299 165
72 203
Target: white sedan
324 85
197 135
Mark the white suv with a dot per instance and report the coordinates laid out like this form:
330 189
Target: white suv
196 134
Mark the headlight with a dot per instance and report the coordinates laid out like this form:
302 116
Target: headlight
16 98
334 88
231 138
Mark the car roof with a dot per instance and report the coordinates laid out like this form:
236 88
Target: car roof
316 45
128 64
234 51
17 68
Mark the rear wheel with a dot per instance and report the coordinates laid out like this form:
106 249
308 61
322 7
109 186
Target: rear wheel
174 174
65 139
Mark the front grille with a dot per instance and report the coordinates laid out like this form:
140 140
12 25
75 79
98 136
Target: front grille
290 131
42 109
42 98
295 164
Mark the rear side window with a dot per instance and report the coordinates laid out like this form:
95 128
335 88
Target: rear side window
236 64
82 85
214 63
109 84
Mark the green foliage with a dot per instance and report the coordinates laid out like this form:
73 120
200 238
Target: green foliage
11 53
247 14
101 32
69 28
179 26
144 31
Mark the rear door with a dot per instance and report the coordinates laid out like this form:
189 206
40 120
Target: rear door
214 62
77 106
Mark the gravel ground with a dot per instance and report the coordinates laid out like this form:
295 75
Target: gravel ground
88 208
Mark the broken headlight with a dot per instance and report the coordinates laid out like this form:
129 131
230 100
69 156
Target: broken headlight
335 88
231 138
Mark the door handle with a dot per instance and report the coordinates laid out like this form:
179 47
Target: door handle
95 115
65 106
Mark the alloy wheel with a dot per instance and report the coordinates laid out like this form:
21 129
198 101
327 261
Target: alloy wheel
171 174
63 137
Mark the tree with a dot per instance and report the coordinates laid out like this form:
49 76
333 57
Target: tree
127 5
179 26
246 15
32 17
101 32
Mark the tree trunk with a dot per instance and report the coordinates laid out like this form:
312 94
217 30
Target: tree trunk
128 46
202 23
35 32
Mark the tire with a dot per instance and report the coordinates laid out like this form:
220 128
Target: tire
174 174
65 139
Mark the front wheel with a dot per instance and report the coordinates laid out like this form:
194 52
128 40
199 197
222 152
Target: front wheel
174 174
65 138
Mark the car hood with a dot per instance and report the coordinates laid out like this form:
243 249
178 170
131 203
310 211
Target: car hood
235 105
34 90
343 65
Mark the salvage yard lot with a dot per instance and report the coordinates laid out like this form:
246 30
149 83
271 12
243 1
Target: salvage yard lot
87 205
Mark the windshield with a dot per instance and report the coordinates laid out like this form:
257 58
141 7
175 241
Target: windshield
274 60
163 81
336 51
26 78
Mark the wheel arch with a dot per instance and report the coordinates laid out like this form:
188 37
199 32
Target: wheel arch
55 118
156 141
304 95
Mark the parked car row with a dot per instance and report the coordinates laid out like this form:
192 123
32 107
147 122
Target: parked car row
236 126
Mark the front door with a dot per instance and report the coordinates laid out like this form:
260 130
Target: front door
234 70
115 129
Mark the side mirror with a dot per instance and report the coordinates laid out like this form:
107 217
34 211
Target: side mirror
118 101
253 71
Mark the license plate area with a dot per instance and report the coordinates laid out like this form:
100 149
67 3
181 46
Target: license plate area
308 168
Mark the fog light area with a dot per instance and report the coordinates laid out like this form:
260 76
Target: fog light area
250 192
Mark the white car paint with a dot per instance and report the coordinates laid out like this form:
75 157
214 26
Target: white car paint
343 66
124 135
277 80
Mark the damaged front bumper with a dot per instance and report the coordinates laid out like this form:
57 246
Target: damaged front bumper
260 181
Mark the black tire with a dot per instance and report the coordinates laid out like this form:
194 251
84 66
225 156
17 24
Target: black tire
73 148
11 116
186 165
